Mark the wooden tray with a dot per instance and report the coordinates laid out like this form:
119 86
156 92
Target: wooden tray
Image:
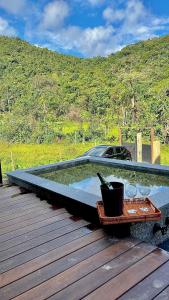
137 210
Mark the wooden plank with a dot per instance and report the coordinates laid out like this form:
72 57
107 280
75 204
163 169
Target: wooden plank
6 184
51 270
8 191
42 249
150 286
35 233
31 217
24 213
72 274
65 260
26 229
48 258
130 277
7 200
12 199
11 206
95 279
21 201
164 295
16 198
22 209
40 240
22 224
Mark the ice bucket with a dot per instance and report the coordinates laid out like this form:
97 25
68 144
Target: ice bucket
113 199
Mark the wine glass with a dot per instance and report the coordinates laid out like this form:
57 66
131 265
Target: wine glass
131 191
144 191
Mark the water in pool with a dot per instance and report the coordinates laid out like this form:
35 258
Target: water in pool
83 177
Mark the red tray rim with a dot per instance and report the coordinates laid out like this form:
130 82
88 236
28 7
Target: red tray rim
128 219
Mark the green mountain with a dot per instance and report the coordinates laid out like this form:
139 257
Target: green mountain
41 89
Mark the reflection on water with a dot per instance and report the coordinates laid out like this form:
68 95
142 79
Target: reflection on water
83 177
92 185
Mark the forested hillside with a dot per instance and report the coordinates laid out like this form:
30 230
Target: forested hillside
41 90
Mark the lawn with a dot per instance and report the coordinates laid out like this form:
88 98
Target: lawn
19 156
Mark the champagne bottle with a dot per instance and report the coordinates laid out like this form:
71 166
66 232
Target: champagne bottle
104 182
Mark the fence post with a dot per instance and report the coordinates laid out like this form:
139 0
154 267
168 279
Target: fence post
152 143
156 153
139 147
0 174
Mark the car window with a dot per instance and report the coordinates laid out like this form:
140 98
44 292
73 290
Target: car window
109 151
123 150
118 150
96 151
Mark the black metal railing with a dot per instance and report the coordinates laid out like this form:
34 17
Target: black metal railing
0 173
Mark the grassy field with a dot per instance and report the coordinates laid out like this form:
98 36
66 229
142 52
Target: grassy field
19 156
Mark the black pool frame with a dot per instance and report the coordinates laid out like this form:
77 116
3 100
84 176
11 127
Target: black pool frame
77 201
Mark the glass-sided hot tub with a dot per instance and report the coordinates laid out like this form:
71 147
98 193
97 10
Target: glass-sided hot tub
75 184
83 178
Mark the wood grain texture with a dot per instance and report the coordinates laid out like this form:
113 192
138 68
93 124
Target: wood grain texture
164 295
130 277
36 233
41 240
150 286
111 269
30 221
82 269
17 198
42 249
20 213
26 229
48 273
45 253
48 258
8 191
32 216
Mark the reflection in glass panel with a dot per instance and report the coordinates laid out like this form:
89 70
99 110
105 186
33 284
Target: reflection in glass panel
83 177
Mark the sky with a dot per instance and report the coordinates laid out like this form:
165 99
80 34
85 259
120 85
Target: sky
84 28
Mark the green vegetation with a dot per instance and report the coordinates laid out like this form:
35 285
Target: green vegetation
54 107
20 156
43 94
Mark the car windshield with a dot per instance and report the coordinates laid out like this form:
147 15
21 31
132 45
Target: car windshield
96 151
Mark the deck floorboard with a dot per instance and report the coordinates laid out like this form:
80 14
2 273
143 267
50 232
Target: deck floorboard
45 253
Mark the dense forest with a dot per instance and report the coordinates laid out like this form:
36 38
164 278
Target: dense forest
41 90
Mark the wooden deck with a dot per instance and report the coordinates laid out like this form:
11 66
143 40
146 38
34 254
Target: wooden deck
45 253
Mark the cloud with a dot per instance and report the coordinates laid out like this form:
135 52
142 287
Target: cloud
133 12
13 6
120 25
134 21
90 41
6 29
112 15
54 14
96 2
139 23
